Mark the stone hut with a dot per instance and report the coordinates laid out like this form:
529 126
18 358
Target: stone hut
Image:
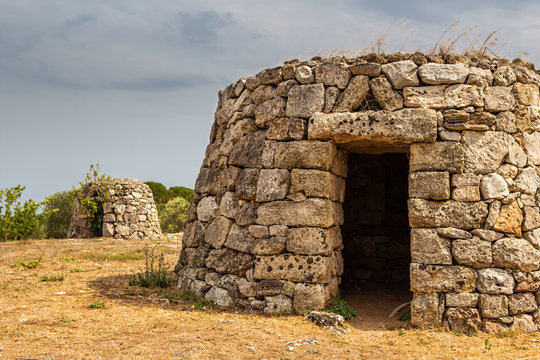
416 168
129 211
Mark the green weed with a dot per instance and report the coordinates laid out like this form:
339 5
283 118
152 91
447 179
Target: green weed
158 275
124 256
487 345
30 264
52 278
405 315
340 306
76 270
97 305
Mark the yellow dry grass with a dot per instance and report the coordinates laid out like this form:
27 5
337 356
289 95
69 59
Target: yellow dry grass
49 320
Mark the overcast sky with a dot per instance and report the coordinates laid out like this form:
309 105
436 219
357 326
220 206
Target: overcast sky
132 85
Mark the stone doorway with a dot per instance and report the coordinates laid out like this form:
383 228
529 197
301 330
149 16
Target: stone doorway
376 236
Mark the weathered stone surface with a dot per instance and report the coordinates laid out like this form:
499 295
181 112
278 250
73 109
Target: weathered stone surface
305 100
354 95
533 237
504 76
495 281
438 74
333 74
428 247
429 185
480 77
427 310
484 151
316 183
437 156
507 171
521 303
313 241
487 235
466 193
369 69
509 219
247 215
273 184
516 155
217 231
493 186
463 320
311 212
493 306
531 218
473 252
387 98
248 150
461 299
442 96
246 184
506 121
304 75
401 73
494 211
271 76
532 147
453 233
229 205
515 254
263 93
527 182
278 305
305 154
330 97
309 297
269 246
108 229
523 323
193 234
220 296
297 268
526 94
433 214
450 135
367 129
239 239
268 111
207 209
460 180
284 87
258 231
278 129
440 278
499 98
228 261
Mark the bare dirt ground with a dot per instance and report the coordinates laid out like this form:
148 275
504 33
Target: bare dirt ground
53 320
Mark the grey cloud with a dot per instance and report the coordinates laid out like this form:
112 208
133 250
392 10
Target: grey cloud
160 83
200 27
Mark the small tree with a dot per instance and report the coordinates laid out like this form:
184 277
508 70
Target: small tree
19 221
159 191
57 225
173 215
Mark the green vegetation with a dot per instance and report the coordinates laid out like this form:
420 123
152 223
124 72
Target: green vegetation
97 305
162 195
30 264
153 275
57 225
52 278
340 306
405 315
19 221
172 205
76 270
198 303
123 256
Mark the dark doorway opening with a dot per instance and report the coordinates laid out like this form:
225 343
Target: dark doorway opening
376 237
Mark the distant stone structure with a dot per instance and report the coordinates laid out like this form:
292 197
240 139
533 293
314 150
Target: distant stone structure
378 168
128 212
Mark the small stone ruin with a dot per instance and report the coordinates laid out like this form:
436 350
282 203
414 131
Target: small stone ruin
383 168
129 211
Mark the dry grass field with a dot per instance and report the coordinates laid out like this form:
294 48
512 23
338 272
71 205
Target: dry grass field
46 314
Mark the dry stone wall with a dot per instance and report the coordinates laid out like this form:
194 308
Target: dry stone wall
263 230
128 212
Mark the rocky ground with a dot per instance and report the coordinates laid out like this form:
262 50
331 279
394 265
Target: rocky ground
53 319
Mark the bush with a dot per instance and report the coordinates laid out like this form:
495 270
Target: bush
20 221
152 275
159 191
173 215
57 225
340 306
179 191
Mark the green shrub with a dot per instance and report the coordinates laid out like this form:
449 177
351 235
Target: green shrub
19 221
180 191
30 264
97 305
52 278
173 215
158 275
159 191
340 306
57 225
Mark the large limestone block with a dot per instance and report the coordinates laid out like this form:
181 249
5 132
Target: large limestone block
387 98
532 147
239 239
509 219
523 323
248 150
354 95
429 185
269 246
268 111
313 241
246 184
495 281
441 278
333 74
499 98
526 94
316 183
443 96
228 261
304 154
193 234
310 212
527 182
493 186
531 218
216 233
504 76
484 150
427 310
305 100
446 156
370 128
428 247
433 214
521 303
515 253
479 77
310 297
207 209
461 299
493 306
401 73
439 74
297 268
473 252
273 184
220 296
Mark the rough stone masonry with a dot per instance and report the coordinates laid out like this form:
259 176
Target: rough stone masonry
128 212
263 230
